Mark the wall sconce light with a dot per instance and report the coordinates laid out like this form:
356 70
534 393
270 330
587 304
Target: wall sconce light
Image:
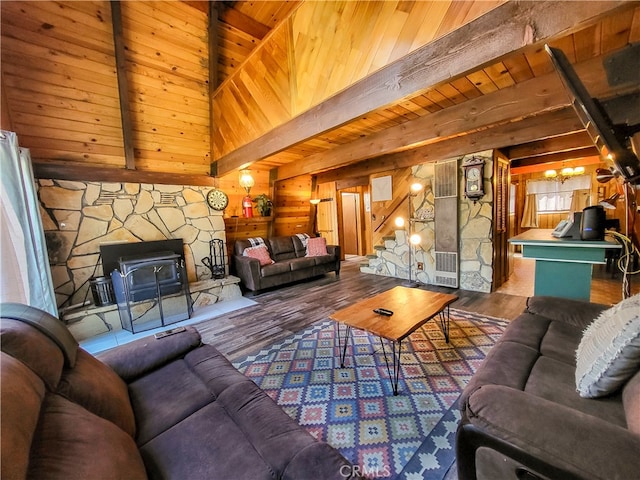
246 182
314 201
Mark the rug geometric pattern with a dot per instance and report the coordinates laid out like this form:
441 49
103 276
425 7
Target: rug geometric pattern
354 409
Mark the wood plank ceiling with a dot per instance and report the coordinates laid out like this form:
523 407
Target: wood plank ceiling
280 61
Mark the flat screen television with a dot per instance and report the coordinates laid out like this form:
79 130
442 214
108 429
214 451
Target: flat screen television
608 139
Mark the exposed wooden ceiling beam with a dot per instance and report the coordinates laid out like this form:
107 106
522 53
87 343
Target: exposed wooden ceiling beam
563 143
559 165
527 130
504 30
556 157
212 31
242 22
519 101
123 85
61 171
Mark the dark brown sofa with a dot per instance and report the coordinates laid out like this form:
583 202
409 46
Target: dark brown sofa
291 263
154 408
522 417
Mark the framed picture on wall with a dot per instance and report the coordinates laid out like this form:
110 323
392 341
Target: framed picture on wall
381 189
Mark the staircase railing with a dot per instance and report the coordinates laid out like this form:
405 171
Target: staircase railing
389 213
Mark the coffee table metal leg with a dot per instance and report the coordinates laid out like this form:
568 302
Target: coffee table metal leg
343 353
395 376
445 323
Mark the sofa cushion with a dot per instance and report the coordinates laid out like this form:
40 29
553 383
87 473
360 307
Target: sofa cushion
21 397
271 432
276 268
609 352
97 388
300 243
316 247
328 260
34 349
141 356
579 313
282 248
301 263
216 372
165 397
205 445
260 253
553 380
73 443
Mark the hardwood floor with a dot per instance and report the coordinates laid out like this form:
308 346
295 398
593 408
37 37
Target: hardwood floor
286 310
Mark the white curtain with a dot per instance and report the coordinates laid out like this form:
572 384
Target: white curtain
25 275
554 195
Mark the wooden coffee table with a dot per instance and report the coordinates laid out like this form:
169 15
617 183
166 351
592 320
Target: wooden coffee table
412 308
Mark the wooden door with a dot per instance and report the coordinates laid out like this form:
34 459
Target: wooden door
501 183
351 223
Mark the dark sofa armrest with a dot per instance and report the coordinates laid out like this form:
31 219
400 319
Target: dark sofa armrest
322 462
334 250
248 269
134 359
579 313
556 435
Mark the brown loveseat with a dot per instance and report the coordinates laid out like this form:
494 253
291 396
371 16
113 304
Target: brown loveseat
154 408
291 263
522 417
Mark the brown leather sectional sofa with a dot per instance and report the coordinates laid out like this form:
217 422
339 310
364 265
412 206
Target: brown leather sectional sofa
291 263
168 408
522 417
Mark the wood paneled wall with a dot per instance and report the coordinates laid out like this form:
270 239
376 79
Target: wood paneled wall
384 213
292 207
322 48
167 71
59 76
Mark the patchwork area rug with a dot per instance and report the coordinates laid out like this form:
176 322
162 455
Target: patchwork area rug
410 435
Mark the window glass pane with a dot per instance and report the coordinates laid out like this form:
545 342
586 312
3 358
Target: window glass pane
554 196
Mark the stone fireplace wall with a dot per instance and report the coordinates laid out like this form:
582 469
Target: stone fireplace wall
475 222
79 216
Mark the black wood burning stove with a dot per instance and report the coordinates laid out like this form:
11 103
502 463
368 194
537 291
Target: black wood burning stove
150 285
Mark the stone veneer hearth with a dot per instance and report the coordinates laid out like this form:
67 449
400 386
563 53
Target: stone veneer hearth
79 216
475 222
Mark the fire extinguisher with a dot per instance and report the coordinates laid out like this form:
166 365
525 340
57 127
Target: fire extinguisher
247 207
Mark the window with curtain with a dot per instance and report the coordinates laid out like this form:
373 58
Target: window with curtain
25 276
556 196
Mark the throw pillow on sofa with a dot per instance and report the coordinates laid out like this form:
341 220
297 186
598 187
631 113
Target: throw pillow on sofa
609 352
316 247
260 252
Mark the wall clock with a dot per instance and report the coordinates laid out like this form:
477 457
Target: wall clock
217 199
473 178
